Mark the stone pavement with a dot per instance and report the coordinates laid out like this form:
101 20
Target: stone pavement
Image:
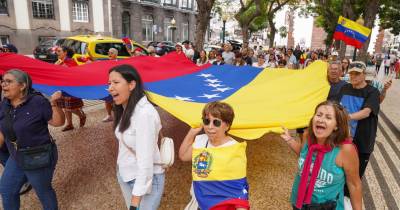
381 184
85 174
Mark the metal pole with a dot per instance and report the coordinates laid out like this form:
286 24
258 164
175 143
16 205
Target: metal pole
354 54
223 31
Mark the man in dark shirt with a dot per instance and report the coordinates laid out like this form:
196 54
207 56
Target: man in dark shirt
362 102
334 74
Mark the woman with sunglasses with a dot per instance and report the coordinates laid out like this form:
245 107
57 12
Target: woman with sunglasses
327 161
217 120
136 127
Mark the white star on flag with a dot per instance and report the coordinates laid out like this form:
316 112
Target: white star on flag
205 75
183 98
210 96
212 80
214 85
222 89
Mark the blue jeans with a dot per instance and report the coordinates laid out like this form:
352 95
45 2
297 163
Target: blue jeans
14 177
4 154
149 201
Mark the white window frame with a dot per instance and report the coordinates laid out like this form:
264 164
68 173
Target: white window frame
167 29
6 38
147 28
43 9
185 30
170 2
4 8
80 11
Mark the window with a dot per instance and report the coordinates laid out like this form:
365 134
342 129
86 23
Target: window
102 48
185 3
3 7
170 2
80 11
147 28
167 29
126 24
46 38
185 31
42 9
4 39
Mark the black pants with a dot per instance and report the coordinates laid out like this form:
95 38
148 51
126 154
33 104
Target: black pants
377 68
364 159
387 70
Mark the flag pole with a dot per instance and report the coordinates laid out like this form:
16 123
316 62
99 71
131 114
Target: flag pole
354 54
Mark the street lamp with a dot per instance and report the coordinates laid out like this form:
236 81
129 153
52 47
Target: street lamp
173 28
225 17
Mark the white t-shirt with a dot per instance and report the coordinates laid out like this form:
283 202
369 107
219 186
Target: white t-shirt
264 65
201 141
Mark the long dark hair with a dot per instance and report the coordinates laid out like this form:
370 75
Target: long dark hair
342 122
122 117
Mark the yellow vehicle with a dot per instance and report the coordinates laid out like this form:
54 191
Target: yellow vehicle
96 47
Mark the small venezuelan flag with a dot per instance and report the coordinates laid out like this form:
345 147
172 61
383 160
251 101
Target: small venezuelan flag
351 32
219 177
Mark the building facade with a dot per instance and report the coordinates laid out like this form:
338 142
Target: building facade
25 23
151 20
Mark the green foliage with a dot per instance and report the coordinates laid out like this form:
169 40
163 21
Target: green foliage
389 16
259 23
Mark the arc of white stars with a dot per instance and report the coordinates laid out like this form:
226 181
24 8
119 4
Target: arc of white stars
214 85
212 80
183 98
222 89
205 75
210 96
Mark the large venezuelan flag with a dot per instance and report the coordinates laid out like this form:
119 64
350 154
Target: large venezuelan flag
219 177
351 32
263 100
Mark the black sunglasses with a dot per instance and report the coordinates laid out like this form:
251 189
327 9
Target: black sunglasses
216 122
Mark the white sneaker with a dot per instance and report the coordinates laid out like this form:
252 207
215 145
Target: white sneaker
108 118
347 203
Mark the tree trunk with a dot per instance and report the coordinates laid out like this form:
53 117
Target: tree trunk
370 12
342 49
272 31
203 18
245 33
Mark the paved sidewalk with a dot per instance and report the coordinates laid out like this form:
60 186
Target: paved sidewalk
85 174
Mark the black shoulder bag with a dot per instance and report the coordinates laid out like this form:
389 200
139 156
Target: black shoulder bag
29 158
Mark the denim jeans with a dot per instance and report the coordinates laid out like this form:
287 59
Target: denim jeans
4 154
14 177
149 201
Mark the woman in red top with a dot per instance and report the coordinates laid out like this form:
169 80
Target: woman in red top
70 104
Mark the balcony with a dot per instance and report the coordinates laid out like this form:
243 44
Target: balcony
151 1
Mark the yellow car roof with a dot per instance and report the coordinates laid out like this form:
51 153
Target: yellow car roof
92 38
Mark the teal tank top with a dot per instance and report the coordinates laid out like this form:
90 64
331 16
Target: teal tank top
330 181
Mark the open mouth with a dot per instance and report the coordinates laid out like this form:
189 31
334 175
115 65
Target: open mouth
320 128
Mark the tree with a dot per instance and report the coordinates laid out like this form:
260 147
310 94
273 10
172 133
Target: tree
328 12
204 8
389 16
272 8
248 13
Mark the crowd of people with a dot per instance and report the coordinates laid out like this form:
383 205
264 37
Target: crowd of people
333 151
